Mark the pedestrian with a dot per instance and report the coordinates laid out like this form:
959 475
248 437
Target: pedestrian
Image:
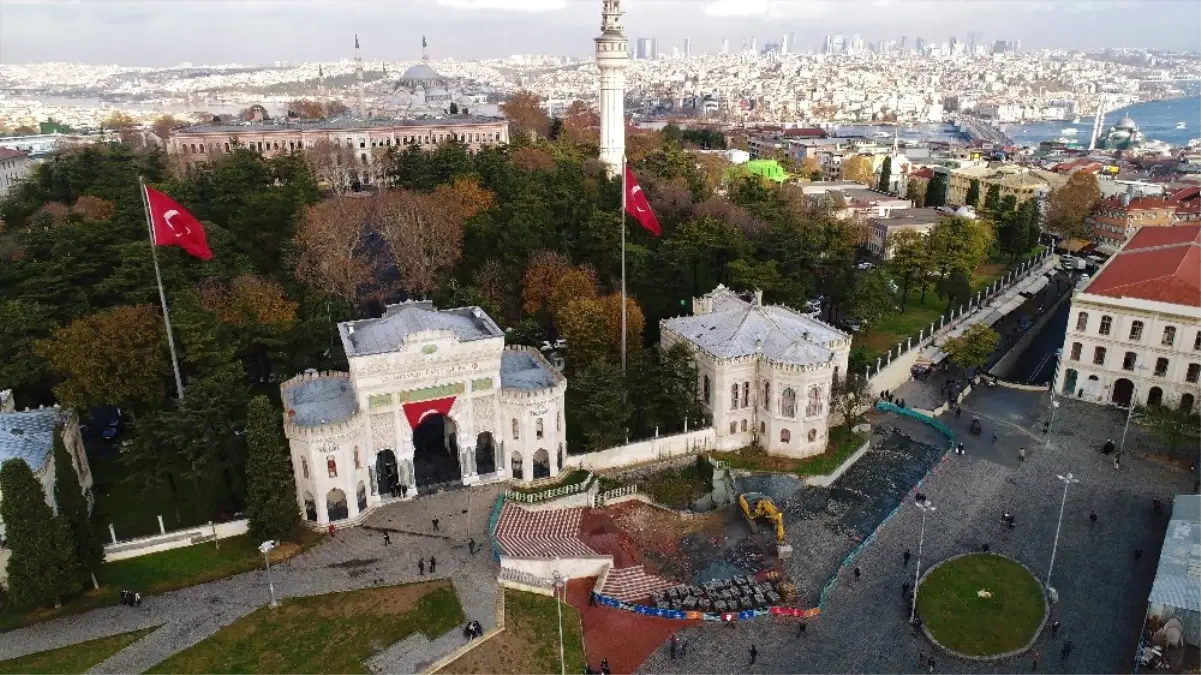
958 412
1156 507
588 670
332 529
604 666
994 435
905 589
421 566
673 646
1011 521
930 664
592 599
985 547
1067 649
754 654
1108 447
921 657
1092 517
1046 427
801 628
387 539
404 491
1035 666
1138 553
124 597
1054 628
1117 461
471 546
435 524
683 647
433 564
1022 455
137 599
856 574
906 557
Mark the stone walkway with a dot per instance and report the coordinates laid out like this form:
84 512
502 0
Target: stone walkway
190 615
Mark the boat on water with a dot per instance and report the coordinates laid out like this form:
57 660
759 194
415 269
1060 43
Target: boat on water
1181 125
882 134
1069 131
1075 120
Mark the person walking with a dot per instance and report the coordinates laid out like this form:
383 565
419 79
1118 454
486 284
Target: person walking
1092 517
387 539
421 566
958 412
1034 667
800 631
906 557
905 589
754 654
605 667
137 599
1138 553
332 530
994 436
433 564
471 546
1046 427
930 664
1067 649
683 647
672 643
435 524
1022 454
857 574
1054 628
984 548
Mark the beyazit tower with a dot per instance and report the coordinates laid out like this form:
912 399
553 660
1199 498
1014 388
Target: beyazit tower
612 57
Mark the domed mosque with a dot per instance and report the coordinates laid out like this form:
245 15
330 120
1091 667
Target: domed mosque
1122 136
422 91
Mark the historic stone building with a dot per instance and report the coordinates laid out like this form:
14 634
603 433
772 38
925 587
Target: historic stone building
765 371
433 398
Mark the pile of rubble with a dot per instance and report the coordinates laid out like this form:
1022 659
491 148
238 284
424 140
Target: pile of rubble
720 595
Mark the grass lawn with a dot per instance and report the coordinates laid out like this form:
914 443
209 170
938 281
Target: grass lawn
576 476
678 487
953 613
530 641
161 572
842 444
332 633
73 659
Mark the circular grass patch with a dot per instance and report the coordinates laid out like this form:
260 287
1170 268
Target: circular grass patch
957 617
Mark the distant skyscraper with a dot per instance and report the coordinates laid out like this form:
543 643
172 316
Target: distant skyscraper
687 47
784 45
920 44
644 48
972 36
904 42
358 76
612 58
725 46
792 42
828 44
754 45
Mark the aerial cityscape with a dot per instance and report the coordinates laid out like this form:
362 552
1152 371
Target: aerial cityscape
602 336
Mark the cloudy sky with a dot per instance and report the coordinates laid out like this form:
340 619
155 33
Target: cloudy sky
165 32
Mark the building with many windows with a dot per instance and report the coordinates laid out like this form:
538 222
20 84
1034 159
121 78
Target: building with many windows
765 371
1117 218
1134 332
15 166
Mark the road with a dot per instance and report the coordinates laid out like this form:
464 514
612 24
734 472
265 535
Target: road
1037 365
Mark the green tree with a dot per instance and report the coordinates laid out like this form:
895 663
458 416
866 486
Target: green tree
271 485
956 288
42 567
959 244
73 508
852 398
973 348
885 175
936 191
915 191
662 388
992 199
22 324
1175 427
973 194
872 298
599 408
911 261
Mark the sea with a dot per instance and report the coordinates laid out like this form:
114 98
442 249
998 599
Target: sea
1156 119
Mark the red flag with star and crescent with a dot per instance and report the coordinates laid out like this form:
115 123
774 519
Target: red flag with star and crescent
637 205
173 225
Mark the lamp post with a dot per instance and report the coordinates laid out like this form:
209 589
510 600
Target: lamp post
923 505
266 547
1067 479
560 583
1129 411
1051 426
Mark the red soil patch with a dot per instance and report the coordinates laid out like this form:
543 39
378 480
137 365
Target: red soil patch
604 536
625 638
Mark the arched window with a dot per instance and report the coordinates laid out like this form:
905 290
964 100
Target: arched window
705 390
1136 330
538 428
785 435
1186 402
767 395
1106 324
763 427
515 428
788 403
331 465
812 435
814 406
304 467
1076 349
734 396
1155 396
1082 321
733 427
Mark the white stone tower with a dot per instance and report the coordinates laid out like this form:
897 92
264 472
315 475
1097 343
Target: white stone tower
612 58
358 74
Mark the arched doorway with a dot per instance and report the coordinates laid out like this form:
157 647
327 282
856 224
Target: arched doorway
515 466
1123 390
436 451
485 453
335 505
1187 401
1155 396
387 473
310 507
1069 381
1092 387
541 464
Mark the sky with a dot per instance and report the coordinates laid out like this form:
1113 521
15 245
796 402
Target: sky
168 32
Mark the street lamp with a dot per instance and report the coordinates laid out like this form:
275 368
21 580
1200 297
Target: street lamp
1067 480
1051 425
923 505
560 584
1129 411
266 547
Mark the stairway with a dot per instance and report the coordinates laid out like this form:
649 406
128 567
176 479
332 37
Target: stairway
630 584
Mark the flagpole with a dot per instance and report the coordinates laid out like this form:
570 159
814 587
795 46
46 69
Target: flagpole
623 264
162 294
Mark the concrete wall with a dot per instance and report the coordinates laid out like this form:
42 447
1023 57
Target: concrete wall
572 568
828 479
650 450
177 539
896 373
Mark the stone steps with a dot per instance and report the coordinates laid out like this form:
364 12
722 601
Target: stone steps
630 584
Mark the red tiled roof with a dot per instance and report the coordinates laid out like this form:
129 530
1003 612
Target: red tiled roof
805 133
925 172
1186 194
9 153
1158 263
1138 203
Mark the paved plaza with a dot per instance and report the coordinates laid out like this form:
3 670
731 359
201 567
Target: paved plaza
1103 589
354 558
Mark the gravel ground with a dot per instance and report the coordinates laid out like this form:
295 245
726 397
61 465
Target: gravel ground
1102 588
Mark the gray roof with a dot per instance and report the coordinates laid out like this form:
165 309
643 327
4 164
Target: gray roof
29 436
320 401
388 333
419 72
739 328
339 123
1178 580
520 370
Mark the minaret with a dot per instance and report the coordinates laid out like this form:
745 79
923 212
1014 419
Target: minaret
320 80
425 53
612 58
358 75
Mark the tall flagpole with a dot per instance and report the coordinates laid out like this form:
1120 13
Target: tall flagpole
623 264
162 295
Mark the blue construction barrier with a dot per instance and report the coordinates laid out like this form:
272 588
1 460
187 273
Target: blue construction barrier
941 428
493 522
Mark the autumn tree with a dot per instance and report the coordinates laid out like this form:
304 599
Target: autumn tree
592 327
270 481
92 208
532 159
581 124
635 324
464 197
333 165
542 274
331 251
336 109
306 108
424 236
1072 203
858 169
915 191
641 144
811 167
113 357
959 244
42 567
165 124
495 288
973 348
118 121
524 111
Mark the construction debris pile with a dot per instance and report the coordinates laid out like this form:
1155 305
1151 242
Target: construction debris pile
720 595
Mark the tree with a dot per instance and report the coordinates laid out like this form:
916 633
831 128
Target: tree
73 508
911 261
958 243
635 323
582 323
464 197
872 298
581 124
858 169
542 274
165 124
305 108
915 191
1072 203
270 483
113 357
852 399
333 165
22 324
1174 426
936 190
973 348
885 175
956 287
662 385
992 200
572 285
599 409
524 111
972 198
42 567
331 248
811 167
424 236
119 121
336 109
92 208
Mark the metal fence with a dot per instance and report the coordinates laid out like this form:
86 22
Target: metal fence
600 499
549 493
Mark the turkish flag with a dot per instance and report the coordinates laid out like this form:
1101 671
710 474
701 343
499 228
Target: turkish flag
637 205
174 226
416 412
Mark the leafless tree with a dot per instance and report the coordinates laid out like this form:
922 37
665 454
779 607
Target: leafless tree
333 165
425 236
331 254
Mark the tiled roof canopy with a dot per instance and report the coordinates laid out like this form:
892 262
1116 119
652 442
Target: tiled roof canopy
1162 264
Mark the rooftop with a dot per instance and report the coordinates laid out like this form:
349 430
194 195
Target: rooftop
736 328
340 123
29 435
1178 579
520 370
910 217
319 401
388 333
1162 264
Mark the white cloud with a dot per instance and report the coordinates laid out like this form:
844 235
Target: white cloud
506 5
767 8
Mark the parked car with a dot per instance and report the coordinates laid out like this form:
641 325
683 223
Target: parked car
111 430
865 265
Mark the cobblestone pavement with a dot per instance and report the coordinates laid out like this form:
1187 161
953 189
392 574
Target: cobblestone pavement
189 615
1102 588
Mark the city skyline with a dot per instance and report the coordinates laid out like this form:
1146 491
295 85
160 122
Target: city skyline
158 34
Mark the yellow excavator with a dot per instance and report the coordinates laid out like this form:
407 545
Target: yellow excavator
755 506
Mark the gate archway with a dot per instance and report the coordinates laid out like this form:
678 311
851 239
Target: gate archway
1123 391
335 505
387 473
436 451
485 453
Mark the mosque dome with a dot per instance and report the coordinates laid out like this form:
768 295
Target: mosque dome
421 75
